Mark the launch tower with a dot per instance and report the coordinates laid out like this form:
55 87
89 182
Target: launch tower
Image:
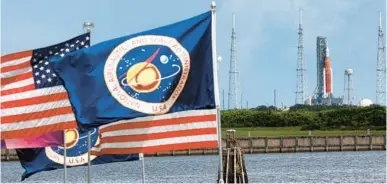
323 94
321 47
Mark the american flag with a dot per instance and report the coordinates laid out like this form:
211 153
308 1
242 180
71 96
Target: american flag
33 99
192 129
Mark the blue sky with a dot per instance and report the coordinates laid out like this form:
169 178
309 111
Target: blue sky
266 36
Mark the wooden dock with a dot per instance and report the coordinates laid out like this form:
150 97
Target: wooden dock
251 145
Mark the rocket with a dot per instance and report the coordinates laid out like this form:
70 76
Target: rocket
327 75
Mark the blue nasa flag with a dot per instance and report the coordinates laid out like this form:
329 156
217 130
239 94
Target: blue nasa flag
50 158
163 70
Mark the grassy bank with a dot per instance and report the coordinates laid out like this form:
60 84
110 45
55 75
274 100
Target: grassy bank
294 131
309 118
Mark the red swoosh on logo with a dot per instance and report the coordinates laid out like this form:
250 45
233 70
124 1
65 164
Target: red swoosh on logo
148 60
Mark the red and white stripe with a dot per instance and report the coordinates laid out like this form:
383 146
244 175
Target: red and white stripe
25 110
193 129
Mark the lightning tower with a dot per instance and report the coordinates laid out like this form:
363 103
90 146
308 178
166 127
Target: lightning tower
381 66
233 73
300 64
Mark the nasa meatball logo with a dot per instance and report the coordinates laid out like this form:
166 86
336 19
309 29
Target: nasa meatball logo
76 148
147 73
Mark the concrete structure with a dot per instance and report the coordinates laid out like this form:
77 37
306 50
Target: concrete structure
298 144
280 144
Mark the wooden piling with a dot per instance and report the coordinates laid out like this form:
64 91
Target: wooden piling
235 165
227 163
234 170
7 154
241 165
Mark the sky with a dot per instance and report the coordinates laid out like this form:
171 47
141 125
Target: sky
266 32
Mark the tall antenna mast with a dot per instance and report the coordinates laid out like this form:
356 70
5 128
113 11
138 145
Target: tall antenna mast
233 73
381 66
300 64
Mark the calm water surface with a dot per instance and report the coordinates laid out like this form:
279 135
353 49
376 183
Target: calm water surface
332 167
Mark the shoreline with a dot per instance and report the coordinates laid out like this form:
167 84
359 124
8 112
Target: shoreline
210 152
278 144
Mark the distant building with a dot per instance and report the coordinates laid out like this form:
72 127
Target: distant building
365 102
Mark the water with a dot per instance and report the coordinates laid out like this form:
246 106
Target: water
332 167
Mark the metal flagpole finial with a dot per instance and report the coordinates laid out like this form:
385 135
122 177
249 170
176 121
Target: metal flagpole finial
88 26
213 5
219 58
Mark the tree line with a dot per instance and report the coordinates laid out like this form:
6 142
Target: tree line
308 117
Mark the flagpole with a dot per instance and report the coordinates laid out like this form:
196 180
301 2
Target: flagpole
141 155
216 87
87 26
88 156
65 156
